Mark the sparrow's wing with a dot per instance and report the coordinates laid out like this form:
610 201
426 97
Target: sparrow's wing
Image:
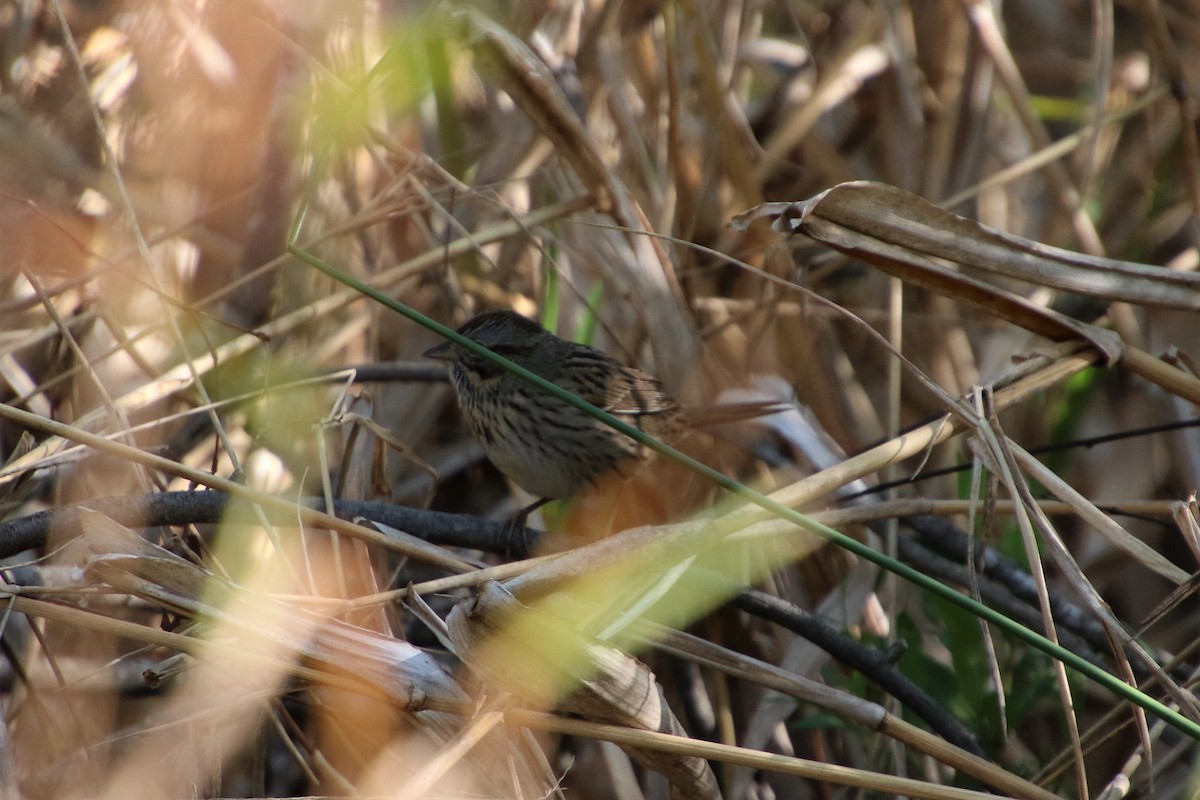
641 396
624 392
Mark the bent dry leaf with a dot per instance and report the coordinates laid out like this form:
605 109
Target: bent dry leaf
893 215
908 237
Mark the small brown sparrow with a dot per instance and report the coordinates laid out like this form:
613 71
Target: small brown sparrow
547 447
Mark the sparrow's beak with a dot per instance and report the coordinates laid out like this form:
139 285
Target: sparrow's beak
441 352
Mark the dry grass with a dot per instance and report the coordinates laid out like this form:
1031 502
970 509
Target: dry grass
582 162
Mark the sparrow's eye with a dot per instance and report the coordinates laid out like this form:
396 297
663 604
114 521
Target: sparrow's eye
481 366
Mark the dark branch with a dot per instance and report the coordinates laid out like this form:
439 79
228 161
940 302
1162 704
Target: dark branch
206 507
875 665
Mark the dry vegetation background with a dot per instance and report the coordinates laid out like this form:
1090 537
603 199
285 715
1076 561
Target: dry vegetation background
581 161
